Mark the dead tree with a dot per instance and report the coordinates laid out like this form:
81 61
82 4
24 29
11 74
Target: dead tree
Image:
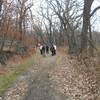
47 17
67 13
1 1
22 9
86 22
86 25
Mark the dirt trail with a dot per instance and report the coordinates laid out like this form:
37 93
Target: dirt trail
54 78
35 84
41 86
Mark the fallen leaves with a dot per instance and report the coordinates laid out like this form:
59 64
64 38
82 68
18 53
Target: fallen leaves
75 80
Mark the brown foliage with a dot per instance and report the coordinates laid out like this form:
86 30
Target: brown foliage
63 50
2 71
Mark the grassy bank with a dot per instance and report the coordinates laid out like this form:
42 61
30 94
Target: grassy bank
7 79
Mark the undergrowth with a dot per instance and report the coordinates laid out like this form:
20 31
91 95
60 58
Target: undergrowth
7 79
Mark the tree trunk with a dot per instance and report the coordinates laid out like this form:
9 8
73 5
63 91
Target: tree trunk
11 44
20 29
86 18
91 49
3 43
1 1
0 10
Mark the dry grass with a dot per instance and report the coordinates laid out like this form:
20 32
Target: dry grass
63 50
15 67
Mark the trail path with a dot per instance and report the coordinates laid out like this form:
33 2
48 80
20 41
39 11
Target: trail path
41 87
54 78
35 83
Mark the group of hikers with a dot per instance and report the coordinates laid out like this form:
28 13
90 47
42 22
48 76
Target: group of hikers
45 49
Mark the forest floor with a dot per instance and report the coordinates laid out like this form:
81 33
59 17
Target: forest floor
56 78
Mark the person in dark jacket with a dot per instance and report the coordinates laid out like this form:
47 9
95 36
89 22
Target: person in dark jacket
53 51
47 49
43 50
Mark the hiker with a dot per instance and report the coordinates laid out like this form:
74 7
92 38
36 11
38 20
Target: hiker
53 50
41 49
47 49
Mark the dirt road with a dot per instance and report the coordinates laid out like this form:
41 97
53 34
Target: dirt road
41 87
35 84
55 78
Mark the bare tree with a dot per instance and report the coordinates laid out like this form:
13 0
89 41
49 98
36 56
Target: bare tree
48 22
22 14
1 1
66 10
86 22
5 23
87 25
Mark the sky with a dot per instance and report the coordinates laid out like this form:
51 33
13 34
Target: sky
97 14
95 20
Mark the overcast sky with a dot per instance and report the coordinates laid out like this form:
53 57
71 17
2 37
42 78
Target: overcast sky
95 21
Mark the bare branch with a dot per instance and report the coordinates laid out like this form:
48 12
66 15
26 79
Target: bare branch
97 8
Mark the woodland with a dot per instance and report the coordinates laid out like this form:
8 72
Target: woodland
70 24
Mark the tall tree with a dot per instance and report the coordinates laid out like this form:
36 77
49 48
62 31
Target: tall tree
85 37
86 23
23 7
1 1
66 10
